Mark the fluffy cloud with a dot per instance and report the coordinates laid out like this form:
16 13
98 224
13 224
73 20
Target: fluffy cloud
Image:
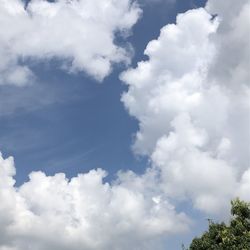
85 212
192 101
81 33
191 98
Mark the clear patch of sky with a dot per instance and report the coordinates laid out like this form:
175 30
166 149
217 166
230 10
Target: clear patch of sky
70 123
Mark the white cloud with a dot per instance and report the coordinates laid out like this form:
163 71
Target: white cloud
192 101
191 98
169 82
80 33
189 171
244 186
52 212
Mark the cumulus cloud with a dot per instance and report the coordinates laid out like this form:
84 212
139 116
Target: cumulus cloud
192 101
191 98
52 212
79 33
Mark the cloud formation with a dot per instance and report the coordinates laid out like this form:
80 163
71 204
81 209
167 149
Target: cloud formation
192 101
80 33
83 213
191 98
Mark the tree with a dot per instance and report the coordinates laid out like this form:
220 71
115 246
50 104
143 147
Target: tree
235 236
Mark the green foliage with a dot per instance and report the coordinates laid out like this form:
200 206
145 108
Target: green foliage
235 236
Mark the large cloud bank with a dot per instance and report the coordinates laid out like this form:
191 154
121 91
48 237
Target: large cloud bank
191 98
83 213
82 33
192 101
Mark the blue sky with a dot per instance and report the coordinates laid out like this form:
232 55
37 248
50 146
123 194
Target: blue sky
143 106
88 126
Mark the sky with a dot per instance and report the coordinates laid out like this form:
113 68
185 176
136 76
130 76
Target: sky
123 124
